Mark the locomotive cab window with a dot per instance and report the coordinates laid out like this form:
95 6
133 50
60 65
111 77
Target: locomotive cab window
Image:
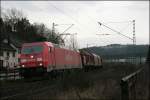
32 49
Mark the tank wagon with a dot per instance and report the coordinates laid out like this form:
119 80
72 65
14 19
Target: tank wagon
43 57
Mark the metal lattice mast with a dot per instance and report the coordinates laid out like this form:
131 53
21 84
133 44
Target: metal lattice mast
134 38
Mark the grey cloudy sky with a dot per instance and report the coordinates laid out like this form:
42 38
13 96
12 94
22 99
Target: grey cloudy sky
85 15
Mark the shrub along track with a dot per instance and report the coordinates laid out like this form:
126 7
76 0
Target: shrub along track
101 83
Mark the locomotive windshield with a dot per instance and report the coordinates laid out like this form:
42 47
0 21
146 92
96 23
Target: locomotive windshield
32 49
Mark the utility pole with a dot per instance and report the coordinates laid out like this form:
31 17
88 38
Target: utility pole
53 28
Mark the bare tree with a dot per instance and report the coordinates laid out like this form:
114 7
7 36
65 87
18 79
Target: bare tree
12 16
40 27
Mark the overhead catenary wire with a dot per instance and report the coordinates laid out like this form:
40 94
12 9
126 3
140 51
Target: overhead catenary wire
115 31
118 22
83 26
95 21
121 30
64 13
67 28
105 41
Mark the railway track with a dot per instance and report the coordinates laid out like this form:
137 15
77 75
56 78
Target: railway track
27 93
23 89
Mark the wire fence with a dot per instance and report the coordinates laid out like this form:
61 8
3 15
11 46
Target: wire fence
132 60
129 85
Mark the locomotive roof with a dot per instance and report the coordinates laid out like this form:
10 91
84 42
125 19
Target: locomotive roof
37 43
49 44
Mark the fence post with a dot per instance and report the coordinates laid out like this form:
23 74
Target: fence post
128 86
124 90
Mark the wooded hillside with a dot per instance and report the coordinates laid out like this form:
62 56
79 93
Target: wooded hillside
120 51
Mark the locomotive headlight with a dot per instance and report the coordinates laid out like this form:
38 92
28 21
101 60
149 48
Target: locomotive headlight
39 59
23 60
23 66
40 64
31 56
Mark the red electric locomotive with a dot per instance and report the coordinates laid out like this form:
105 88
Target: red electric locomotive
45 57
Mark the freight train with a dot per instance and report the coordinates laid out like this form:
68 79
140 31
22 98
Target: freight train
44 57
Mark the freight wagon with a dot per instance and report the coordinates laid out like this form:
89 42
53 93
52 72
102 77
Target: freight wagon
90 60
